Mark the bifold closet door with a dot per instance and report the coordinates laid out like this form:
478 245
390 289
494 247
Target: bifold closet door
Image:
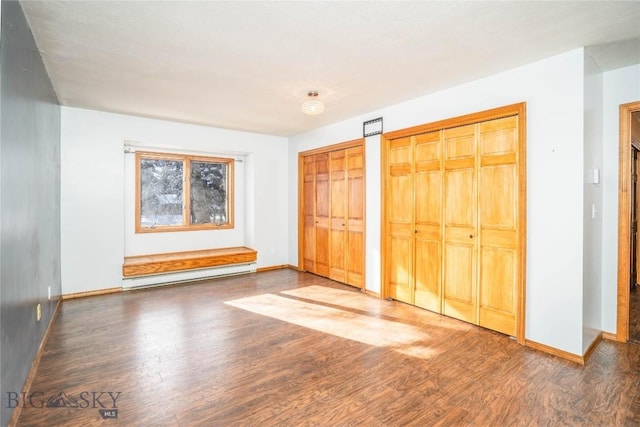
308 210
414 215
481 258
454 216
322 212
355 216
332 214
347 216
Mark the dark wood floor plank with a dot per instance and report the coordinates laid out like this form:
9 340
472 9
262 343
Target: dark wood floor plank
634 314
283 348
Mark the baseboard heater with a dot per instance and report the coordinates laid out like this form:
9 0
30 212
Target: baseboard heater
187 276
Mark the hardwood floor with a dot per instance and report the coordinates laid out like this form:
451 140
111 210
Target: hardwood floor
634 315
293 349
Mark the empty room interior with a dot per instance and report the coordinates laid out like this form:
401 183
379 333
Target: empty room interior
319 213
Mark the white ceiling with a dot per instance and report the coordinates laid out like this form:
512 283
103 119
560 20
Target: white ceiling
248 65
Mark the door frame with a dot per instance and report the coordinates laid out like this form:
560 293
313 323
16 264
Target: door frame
624 219
520 110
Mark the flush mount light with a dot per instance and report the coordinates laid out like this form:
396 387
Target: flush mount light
312 105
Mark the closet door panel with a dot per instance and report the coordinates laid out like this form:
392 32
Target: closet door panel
401 188
498 219
498 197
323 204
427 213
499 136
428 240
400 286
338 254
459 275
322 250
428 207
338 233
428 273
355 256
399 260
355 175
460 224
497 293
355 217
401 234
309 245
460 198
308 213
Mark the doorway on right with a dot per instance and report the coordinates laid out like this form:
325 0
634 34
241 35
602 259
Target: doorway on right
628 310
634 287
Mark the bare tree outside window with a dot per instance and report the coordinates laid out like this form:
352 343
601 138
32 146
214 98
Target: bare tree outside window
208 193
160 192
180 192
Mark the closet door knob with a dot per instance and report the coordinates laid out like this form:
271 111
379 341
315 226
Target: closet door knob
471 236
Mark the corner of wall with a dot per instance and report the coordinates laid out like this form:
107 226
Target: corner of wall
592 198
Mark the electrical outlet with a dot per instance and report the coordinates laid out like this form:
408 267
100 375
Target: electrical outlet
49 293
38 312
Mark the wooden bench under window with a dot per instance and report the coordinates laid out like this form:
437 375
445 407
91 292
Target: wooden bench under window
145 265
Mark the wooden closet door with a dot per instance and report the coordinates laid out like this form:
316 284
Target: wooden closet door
338 223
322 206
460 223
498 221
399 212
308 213
355 216
428 221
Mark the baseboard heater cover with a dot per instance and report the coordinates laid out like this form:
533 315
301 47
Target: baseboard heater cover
187 276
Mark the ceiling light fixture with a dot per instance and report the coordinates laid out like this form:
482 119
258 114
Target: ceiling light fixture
312 105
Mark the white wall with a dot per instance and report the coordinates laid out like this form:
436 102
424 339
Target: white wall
592 289
373 189
619 87
553 90
95 188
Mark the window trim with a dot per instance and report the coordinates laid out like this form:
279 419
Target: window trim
186 192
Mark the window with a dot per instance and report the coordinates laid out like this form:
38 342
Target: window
179 192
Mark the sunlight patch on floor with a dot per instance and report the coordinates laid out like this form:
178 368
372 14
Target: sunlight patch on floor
350 299
406 339
358 301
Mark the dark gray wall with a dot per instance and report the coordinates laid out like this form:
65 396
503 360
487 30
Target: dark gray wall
29 200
